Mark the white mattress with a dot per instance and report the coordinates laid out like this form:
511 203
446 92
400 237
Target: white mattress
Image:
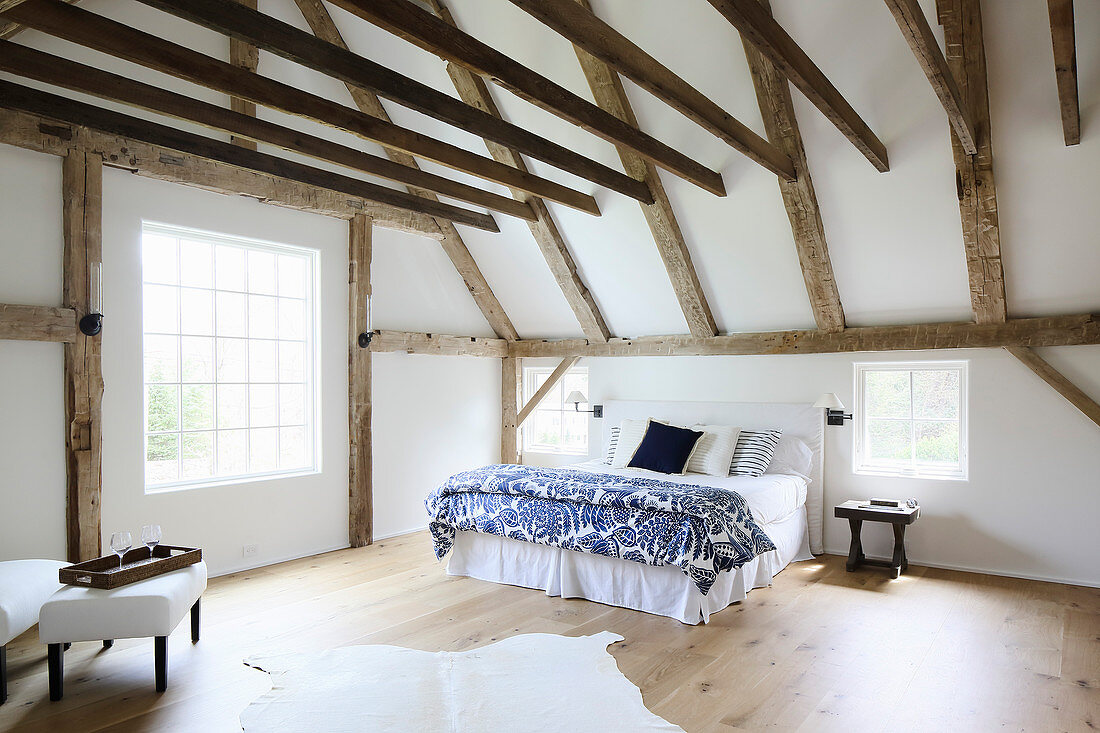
770 497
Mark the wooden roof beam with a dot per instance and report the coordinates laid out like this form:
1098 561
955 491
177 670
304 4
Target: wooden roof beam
32 64
918 34
304 48
1065 67
433 34
99 33
757 26
1073 394
25 99
245 56
540 394
575 21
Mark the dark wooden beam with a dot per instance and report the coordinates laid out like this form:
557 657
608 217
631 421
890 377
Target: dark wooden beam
306 49
244 56
773 93
27 62
576 22
918 34
14 96
1065 67
432 33
757 26
99 33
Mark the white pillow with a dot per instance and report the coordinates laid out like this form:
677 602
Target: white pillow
631 433
791 456
714 451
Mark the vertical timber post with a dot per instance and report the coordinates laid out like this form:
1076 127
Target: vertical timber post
82 215
360 488
510 390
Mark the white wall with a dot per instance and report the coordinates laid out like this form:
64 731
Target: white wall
1030 505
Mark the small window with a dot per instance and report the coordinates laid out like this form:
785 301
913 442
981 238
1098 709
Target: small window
555 426
229 348
910 419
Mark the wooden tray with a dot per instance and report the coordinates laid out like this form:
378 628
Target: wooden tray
137 564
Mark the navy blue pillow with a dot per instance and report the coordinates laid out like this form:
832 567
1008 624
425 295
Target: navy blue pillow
664 448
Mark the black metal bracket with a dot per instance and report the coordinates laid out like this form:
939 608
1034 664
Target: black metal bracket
837 417
365 338
597 411
91 324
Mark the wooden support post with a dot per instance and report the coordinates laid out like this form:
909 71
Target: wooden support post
1058 381
82 215
555 377
511 381
962 29
1064 39
360 479
245 56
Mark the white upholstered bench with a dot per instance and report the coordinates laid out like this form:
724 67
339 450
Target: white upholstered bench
152 607
24 586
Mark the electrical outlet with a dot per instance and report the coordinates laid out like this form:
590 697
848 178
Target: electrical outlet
248 551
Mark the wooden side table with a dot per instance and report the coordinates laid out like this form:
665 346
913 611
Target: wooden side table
858 511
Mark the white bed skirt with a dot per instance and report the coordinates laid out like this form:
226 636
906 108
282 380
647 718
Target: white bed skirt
665 591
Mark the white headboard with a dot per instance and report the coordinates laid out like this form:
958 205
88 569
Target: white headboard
801 420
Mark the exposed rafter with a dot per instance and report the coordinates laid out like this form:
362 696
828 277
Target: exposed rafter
17 97
540 394
432 33
245 56
1065 67
107 36
962 26
757 26
1073 394
317 15
33 64
303 48
577 22
773 93
918 34
607 90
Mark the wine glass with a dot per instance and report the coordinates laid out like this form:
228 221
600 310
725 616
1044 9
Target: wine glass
150 536
120 543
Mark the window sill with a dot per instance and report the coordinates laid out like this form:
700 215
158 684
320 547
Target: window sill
887 473
218 483
567 454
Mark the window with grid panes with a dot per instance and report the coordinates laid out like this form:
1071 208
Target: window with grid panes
555 426
229 348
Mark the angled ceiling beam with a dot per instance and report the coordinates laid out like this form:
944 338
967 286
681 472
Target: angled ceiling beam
918 34
317 15
244 56
962 27
99 33
306 49
1073 394
474 91
551 381
773 93
9 29
607 90
576 22
1065 67
433 34
32 64
757 26
17 97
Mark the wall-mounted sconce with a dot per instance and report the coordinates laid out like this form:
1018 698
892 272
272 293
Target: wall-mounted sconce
92 323
834 409
577 397
366 336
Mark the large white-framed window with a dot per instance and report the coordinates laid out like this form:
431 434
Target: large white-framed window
910 419
555 426
229 340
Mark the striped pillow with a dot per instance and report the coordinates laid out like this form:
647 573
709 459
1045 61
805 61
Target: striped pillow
754 452
612 444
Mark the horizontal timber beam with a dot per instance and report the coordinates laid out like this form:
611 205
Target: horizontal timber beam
422 28
45 135
438 344
37 323
1055 331
15 96
110 37
32 64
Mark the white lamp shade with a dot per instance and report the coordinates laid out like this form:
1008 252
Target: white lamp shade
576 396
830 401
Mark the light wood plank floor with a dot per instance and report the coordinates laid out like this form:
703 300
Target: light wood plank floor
821 650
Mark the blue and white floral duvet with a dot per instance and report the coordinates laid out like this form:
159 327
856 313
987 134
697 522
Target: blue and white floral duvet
700 529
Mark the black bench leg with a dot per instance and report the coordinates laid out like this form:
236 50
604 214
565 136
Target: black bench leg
57 670
899 561
68 645
108 643
195 611
3 674
161 656
855 551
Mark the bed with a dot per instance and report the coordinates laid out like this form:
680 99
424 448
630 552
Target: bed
786 507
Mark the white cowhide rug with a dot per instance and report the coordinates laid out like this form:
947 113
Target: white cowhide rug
532 682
